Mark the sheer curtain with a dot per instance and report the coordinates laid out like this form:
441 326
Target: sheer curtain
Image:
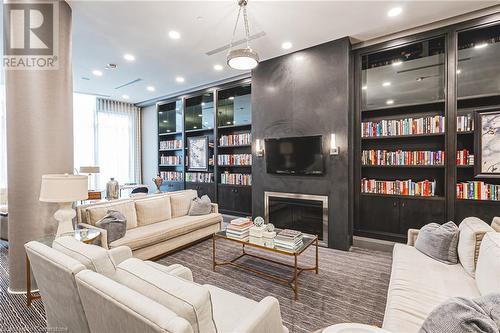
3 148
84 133
118 142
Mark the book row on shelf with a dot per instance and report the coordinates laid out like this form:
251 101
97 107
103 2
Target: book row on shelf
424 188
464 157
171 144
465 123
235 139
401 157
475 190
199 177
235 178
171 176
210 160
170 160
235 159
407 126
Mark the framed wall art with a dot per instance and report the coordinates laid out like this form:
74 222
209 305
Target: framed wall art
198 153
487 143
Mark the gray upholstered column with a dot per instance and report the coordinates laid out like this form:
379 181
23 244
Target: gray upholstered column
39 141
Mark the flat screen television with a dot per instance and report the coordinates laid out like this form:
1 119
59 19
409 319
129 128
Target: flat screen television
295 156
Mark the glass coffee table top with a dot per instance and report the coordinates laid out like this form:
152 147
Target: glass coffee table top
83 235
268 243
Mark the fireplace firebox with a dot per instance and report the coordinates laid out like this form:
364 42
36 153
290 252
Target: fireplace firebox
304 212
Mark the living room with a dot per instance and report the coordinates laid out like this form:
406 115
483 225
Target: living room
250 166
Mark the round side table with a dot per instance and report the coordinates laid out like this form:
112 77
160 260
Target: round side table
353 328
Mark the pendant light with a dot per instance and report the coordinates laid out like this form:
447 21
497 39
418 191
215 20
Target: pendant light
244 58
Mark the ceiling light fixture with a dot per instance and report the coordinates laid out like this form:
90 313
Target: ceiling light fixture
364 87
174 34
245 58
394 11
386 84
480 46
459 71
218 67
286 45
97 72
125 96
180 79
150 88
128 57
389 102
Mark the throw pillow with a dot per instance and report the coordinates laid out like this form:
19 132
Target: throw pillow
439 242
115 223
462 315
200 206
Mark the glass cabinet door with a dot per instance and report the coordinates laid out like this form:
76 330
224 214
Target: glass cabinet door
234 106
170 117
478 71
406 75
200 112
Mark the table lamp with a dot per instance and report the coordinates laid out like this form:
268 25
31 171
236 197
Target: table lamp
91 169
64 189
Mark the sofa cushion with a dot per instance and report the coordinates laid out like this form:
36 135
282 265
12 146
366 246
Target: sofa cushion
126 207
181 202
152 210
93 257
472 231
158 232
488 264
439 242
418 284
187 299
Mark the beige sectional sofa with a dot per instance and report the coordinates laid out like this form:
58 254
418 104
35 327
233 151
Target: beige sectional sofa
156 224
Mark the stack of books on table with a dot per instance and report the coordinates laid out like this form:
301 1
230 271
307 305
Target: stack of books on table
288 239
239 229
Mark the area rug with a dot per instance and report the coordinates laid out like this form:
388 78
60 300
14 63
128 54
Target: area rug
350 287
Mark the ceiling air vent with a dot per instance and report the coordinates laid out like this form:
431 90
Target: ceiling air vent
128 83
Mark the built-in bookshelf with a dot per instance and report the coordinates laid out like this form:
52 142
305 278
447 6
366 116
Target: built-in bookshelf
223 117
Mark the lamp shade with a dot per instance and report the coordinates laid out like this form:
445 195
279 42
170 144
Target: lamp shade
243 59
63 188
90 169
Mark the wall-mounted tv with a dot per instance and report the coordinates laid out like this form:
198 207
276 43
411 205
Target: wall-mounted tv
295 156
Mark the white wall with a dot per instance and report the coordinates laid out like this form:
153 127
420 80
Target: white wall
149 130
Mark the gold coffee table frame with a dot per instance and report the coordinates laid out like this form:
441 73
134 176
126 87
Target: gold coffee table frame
293 282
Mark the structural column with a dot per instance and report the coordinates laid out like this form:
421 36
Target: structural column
39 119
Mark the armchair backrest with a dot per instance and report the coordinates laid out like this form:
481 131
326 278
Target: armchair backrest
54 273
122 309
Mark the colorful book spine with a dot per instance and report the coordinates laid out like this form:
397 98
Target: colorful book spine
235 139
464 157
171 144
465 123
170 160
424 188
476 190
199 177
235 178
401 157
235 159
407 126
171 176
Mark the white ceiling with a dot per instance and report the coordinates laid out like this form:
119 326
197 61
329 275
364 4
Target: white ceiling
105 30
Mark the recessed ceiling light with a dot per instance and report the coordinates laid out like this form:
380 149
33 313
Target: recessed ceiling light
174 34
231 98
364 87
218 67
389 102
125 96
459 71
180 79
128 57
165 121
286 45
394 11
97 72
480 46
150 88
386 84
397 63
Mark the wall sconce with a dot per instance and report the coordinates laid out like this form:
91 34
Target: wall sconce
259 148
334 149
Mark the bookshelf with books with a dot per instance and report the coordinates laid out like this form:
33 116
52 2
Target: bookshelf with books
234 150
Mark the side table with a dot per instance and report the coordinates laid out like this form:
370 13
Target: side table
86 236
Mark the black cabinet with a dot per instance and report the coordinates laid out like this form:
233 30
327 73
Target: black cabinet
390 217
235 199
203 189
172 186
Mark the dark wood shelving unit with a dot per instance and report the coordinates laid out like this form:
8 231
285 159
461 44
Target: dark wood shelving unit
401 136
403 166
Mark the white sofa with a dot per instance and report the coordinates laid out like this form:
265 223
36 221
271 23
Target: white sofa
156 224
419 283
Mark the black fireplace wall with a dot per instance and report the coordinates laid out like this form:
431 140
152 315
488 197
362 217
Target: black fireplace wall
307 93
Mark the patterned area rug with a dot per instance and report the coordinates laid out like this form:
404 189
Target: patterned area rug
350 287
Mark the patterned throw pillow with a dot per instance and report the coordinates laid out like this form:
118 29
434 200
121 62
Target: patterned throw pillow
115 223
439 242
200 206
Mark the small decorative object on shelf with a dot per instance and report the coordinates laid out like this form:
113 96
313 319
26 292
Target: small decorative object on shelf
423 188
259 221
158 181
475 190
407 126
270 227
400 157
112 189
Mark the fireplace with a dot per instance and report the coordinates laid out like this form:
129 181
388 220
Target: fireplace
304 212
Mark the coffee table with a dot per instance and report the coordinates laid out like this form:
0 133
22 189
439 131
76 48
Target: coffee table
269 248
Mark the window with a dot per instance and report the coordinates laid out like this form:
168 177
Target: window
106 133
3 148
